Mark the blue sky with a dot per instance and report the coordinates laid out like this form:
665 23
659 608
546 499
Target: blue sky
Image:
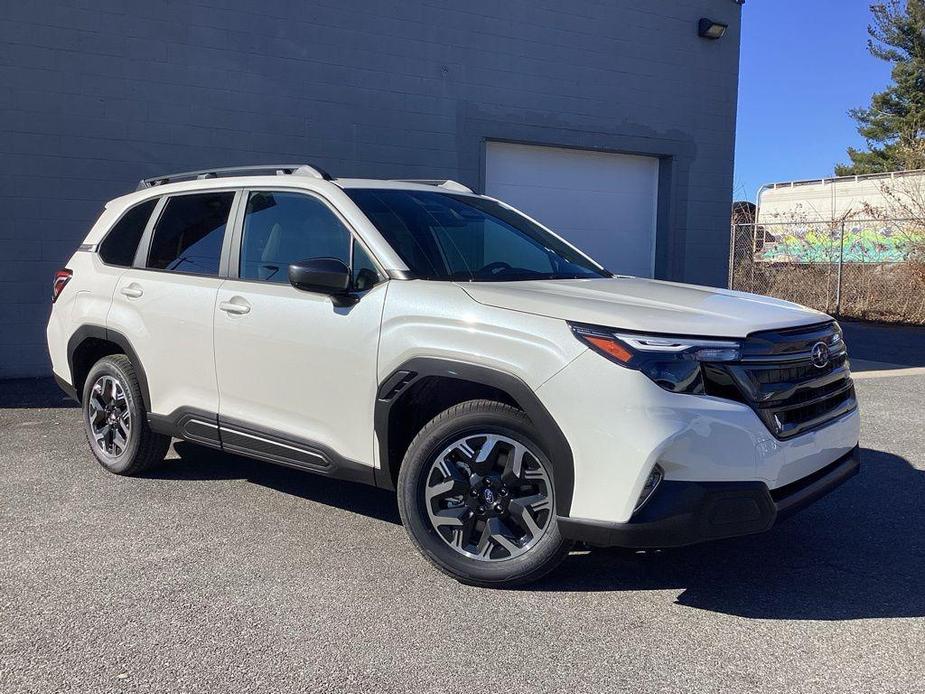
804 63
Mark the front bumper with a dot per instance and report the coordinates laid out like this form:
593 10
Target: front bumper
685 513
620 424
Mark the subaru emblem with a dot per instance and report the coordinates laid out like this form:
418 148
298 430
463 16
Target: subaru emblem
820 355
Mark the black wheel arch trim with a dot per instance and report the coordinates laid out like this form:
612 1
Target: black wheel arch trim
396 384
68 389
99 332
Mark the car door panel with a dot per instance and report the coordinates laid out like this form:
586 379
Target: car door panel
294 369
169 324
297 365
165 304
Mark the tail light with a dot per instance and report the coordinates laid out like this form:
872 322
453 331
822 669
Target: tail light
62 277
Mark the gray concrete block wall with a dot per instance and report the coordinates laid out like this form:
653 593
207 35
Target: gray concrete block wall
95 94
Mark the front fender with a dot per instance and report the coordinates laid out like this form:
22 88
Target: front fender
551 438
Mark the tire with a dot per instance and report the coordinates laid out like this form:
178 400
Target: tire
112 405
462 496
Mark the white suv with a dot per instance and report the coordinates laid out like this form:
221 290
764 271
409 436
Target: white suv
418 337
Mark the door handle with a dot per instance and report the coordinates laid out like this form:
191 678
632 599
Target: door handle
238 308
132 291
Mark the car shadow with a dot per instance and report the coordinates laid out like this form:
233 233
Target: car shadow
196 463
857 554
32 393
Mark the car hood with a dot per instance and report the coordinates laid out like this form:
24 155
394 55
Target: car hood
643 305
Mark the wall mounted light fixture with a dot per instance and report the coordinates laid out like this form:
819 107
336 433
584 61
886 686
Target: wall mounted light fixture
709 29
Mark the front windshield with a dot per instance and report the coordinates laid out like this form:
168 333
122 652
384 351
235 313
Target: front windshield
442 236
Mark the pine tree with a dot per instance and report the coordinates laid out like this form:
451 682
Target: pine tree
894 125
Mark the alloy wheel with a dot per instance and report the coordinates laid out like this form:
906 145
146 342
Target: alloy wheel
488 497
109 416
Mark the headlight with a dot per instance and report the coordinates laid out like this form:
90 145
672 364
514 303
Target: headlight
674 363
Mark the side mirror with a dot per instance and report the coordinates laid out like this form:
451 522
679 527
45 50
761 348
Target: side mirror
323 276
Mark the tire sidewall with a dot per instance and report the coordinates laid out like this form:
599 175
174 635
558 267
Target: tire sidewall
110 367
417 465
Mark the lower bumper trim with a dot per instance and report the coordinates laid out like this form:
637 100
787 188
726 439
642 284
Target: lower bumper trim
685 513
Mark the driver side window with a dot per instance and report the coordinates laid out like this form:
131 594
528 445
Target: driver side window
281 228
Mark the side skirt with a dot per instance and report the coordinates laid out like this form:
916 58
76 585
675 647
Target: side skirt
209 429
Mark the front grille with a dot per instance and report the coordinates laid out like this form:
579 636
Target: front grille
790 418
786 373
778 379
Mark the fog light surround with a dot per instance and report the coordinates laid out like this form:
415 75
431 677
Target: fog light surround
652 481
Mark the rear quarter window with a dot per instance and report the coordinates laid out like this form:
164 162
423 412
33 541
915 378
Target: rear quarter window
120 244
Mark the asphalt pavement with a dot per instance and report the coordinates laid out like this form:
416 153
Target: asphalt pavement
221 574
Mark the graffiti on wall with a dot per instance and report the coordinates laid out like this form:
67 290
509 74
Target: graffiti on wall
864 242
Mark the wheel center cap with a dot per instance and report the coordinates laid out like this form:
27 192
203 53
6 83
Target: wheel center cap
488 495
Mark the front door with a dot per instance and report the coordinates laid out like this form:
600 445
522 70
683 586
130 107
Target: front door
296 374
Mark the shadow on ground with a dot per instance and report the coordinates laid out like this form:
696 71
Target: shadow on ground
854 555
33 393
195 463
857 554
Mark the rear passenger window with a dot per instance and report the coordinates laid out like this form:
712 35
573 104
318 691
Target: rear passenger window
188 236
282 228
120 244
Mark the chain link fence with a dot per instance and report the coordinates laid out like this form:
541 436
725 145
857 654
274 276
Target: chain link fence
864 269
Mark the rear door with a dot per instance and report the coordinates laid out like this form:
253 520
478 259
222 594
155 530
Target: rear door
164 304
297 374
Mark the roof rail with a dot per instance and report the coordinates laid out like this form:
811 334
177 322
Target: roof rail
440 183
278 169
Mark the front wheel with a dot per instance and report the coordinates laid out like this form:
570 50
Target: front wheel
476 495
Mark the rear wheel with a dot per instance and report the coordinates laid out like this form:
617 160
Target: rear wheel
477 497
115 419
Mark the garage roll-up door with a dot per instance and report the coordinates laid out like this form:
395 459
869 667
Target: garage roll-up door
604 203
